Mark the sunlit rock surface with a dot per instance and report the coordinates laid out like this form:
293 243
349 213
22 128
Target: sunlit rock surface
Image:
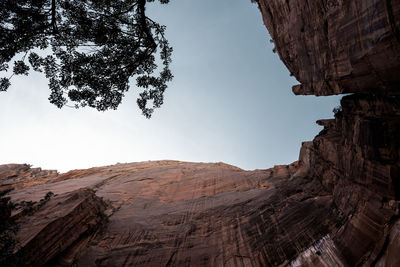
171 213
22 175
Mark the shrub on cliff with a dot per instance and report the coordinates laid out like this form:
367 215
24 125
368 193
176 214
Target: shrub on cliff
96 47
8 229
337 111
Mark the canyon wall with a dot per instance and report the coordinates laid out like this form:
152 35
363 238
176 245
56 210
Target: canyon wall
356 159
335 47
338 205
171 213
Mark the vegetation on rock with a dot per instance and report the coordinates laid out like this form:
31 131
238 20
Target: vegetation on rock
8 228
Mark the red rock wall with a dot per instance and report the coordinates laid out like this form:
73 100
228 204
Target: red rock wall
357 159
336 46
22 175
174 214
65 221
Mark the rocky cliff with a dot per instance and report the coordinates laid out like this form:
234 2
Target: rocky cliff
338 205
356 159
335 47
172 213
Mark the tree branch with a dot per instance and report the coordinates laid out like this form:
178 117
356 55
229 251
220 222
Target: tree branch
53 16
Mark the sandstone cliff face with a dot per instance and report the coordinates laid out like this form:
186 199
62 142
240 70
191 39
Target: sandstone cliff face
337 46
357 159
174 214
20 176
67 220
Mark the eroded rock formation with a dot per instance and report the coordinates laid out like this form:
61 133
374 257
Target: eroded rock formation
15 176
337 206
335 47
356 158
174 214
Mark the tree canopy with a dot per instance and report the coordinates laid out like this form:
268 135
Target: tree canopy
91 50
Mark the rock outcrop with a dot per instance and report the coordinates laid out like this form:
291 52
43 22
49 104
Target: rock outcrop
337 206
356 157
337 46
171 213
64 221
15 176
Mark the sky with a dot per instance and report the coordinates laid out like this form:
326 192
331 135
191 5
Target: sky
230 101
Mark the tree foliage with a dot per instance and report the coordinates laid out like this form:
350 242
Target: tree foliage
8 228
96 47
338 111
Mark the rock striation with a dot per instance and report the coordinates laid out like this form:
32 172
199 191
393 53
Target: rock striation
338 205
172 213
356 157
337 46
13 176
67 220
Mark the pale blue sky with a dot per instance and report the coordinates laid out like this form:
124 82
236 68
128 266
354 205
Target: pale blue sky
230 101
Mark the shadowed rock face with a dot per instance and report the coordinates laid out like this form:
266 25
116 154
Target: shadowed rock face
67 220
357 159
337 46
